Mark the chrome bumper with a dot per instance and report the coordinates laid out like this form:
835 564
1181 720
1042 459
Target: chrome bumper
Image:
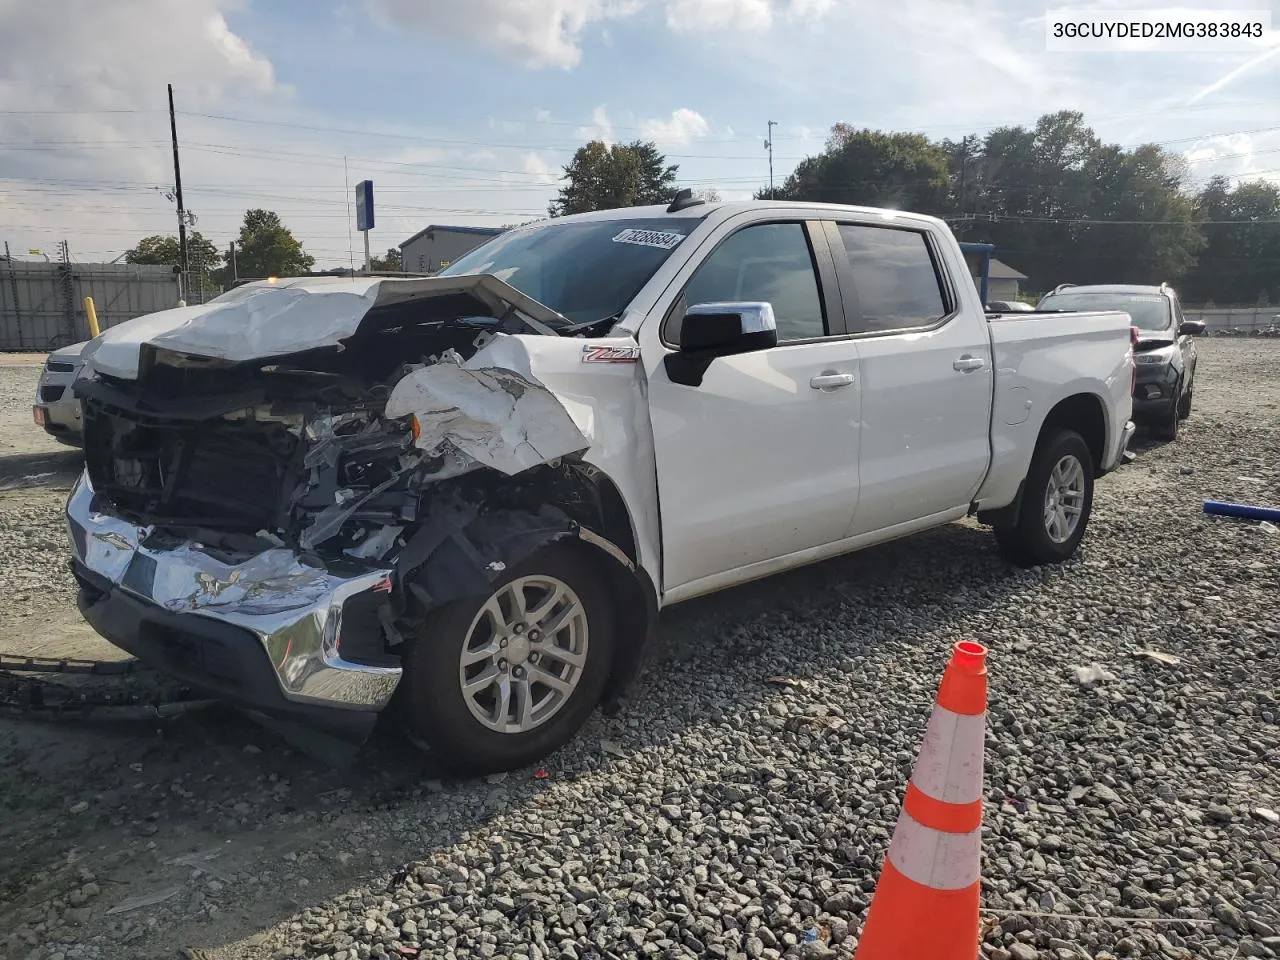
294 610
1122 444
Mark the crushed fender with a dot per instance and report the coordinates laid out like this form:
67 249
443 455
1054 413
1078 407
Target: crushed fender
496 417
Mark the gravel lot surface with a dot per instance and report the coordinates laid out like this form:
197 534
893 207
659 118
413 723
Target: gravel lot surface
741 803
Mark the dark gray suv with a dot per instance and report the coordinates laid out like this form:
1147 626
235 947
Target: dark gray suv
1165 353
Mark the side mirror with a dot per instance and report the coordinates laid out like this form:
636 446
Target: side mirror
710 330
1191 328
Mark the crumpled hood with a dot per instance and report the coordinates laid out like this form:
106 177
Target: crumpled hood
264 319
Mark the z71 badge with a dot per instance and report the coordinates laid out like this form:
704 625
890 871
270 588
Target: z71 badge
601 354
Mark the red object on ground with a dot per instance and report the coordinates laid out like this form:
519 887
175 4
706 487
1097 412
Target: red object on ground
926 902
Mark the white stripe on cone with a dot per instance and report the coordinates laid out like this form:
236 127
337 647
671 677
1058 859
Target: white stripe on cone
932 858
949 767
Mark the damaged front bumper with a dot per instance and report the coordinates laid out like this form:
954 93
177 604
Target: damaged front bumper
265 632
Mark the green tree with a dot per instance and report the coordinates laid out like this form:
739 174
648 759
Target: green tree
391 263
202 255
1240 263
867 167
604 177
1061 206
266 248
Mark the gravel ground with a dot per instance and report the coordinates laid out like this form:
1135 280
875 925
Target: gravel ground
741 803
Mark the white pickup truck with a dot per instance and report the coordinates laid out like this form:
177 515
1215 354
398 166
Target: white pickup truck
475 491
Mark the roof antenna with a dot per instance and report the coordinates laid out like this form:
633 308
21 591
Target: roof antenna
684 200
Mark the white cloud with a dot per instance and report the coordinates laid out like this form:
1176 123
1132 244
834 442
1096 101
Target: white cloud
537 33
744 15
685 16
1238 156
681 128
810 8
542 116
538 168
64 66
549 33
600 128
90 158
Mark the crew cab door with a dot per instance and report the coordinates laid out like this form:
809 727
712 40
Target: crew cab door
760 460
926 365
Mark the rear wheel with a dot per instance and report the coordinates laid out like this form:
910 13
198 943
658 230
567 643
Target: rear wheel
1057 499
498 682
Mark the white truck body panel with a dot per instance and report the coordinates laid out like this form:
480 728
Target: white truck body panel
754 471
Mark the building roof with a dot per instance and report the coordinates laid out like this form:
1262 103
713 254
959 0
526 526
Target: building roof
1002 271
476 231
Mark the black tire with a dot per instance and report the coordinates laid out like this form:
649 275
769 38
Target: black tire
1026 541
1166 427
431 695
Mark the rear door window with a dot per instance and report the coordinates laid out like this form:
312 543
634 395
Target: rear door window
895 278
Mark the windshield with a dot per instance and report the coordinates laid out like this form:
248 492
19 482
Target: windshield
584 270
1148 311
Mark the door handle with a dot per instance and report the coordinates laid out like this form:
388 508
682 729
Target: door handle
831 381
968 364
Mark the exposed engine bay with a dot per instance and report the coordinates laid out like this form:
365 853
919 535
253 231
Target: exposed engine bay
382 451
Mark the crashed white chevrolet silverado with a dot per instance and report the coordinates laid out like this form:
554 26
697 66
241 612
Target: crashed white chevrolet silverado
475 491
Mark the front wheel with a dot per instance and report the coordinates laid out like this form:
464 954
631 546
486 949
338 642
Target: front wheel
498 682
1057 499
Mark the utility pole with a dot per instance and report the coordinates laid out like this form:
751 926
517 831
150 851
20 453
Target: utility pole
177 183
768 143
346 189
235 274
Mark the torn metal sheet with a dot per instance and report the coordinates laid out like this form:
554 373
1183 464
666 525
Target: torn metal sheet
376 545
497 417
190 580
277 318
246 323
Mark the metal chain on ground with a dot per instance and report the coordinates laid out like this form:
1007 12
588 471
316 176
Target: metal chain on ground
32 697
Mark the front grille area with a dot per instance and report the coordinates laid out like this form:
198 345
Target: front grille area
60 366
51 394
226 475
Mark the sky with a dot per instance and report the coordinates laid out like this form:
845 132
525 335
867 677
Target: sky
465 111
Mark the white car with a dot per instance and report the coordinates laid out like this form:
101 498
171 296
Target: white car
474 492
56 409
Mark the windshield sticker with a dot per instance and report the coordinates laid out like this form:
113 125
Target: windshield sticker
603 354
650 238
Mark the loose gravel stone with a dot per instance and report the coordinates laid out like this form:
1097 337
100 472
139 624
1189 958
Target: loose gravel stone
731 815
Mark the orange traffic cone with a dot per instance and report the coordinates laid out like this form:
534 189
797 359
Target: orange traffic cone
926 902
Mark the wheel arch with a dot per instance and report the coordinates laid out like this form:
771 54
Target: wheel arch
1085 413
571 502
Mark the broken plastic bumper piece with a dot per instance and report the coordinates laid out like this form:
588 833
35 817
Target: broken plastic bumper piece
228 625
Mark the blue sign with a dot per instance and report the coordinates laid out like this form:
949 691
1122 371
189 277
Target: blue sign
364 205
